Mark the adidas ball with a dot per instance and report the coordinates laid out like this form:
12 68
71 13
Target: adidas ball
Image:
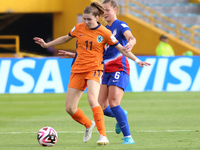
47 136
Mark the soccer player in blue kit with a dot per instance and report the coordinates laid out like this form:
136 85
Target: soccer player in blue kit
116 72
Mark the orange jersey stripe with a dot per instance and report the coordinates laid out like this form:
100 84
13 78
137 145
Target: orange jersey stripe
90 43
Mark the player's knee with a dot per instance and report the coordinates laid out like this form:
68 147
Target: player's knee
103 103
70 111
114 103
93 103
103 106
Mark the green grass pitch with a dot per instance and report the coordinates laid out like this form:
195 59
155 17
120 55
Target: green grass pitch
157 120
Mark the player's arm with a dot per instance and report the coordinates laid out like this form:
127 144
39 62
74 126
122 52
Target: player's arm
131 40
130 55
58 41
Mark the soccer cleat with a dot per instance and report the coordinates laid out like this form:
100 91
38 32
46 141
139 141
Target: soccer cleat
102 140
117 127
88 132
128 140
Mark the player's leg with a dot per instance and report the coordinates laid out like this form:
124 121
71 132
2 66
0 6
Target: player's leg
74 93
116 92
115 80
93 84
103 96
115 96
103 101
72 99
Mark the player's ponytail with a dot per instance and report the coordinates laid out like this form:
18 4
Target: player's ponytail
95 8
99 7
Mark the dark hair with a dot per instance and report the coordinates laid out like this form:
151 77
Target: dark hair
113 3
163 37
95 8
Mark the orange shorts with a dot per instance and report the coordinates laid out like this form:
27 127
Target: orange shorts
79 80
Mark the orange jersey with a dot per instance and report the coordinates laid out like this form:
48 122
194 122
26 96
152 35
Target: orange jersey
90 43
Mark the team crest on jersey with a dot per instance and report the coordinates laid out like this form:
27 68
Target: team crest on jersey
114 32
99 38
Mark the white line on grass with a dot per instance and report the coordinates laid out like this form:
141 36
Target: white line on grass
169 131
106 131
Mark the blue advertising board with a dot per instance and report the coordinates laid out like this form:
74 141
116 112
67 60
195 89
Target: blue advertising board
51 75
166 74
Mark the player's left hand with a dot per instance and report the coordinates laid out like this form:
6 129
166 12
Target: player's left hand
65 54
143 63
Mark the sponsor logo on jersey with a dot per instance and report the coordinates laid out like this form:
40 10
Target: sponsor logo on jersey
99 38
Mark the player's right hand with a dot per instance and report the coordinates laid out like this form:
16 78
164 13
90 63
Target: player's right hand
40 41
143 63
128 47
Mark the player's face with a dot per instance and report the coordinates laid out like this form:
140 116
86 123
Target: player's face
165 40
90 20
109 12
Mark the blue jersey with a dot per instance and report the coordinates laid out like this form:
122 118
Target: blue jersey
113 59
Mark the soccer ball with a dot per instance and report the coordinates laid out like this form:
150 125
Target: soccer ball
47 136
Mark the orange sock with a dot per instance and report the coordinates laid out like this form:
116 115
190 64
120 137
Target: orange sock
81 118
99 120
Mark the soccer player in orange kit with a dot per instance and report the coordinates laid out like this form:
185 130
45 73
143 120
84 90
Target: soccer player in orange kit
87 67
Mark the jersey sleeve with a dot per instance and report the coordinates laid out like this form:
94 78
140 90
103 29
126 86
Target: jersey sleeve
73 31
111 40
124 27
